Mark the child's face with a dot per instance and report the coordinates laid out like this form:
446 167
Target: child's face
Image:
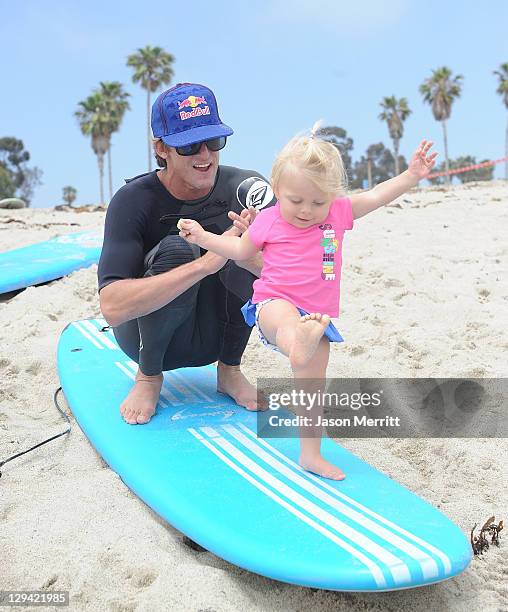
302 204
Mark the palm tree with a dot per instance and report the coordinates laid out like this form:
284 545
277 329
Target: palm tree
94 121
152 68
69 194
502 90
395 112
440 91
115 105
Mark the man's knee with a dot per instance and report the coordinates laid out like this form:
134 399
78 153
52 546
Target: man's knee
171 252
237 281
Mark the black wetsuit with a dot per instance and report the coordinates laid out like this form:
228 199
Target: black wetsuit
203 324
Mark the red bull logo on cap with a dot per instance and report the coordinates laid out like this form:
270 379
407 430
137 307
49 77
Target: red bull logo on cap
193 102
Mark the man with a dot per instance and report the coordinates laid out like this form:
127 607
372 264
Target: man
171 304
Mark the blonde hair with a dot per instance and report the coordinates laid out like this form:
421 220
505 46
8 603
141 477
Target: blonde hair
318 160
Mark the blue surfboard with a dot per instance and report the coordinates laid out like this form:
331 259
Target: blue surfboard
46 261
199 464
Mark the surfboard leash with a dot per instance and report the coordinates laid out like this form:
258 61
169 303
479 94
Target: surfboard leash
2 463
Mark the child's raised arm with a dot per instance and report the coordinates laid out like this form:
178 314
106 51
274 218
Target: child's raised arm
232 247
419 168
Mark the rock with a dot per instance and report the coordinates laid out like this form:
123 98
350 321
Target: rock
12 203
84 208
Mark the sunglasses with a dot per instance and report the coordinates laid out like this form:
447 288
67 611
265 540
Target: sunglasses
215 144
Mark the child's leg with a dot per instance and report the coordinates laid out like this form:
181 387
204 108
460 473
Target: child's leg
297 337
313 376
308 335
301 339
278 320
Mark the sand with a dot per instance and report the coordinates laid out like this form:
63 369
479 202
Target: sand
424 294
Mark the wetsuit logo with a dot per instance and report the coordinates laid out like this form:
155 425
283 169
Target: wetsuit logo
254 192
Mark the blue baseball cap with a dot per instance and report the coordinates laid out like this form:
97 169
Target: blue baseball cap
185 114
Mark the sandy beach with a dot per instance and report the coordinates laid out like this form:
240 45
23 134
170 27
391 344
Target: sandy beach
424 294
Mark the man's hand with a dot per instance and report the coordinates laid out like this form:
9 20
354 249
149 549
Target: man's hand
421 164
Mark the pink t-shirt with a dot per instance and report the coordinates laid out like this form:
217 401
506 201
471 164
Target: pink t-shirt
302 265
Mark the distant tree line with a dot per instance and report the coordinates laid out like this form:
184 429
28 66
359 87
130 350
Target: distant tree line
378 164
100 116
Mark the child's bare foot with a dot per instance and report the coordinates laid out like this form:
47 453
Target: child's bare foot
321 467
139 406
309 331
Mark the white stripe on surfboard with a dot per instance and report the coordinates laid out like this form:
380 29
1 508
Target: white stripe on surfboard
184 387
108 329
397 567
375 570
125 370
165 392
186 384
427 563
411 536
87 335
101 324
100 336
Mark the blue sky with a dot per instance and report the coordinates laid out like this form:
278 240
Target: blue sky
276 66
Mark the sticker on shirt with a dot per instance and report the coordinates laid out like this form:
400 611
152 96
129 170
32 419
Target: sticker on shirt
254 192
330 246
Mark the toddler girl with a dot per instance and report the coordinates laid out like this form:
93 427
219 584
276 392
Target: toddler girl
301 241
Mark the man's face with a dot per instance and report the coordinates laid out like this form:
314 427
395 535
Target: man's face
192 176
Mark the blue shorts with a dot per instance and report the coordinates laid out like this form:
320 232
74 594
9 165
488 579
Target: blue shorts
250 313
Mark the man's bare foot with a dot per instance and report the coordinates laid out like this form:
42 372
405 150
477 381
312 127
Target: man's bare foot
139 406
231 381
321 467
308 333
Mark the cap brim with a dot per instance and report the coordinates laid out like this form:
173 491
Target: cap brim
197 134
